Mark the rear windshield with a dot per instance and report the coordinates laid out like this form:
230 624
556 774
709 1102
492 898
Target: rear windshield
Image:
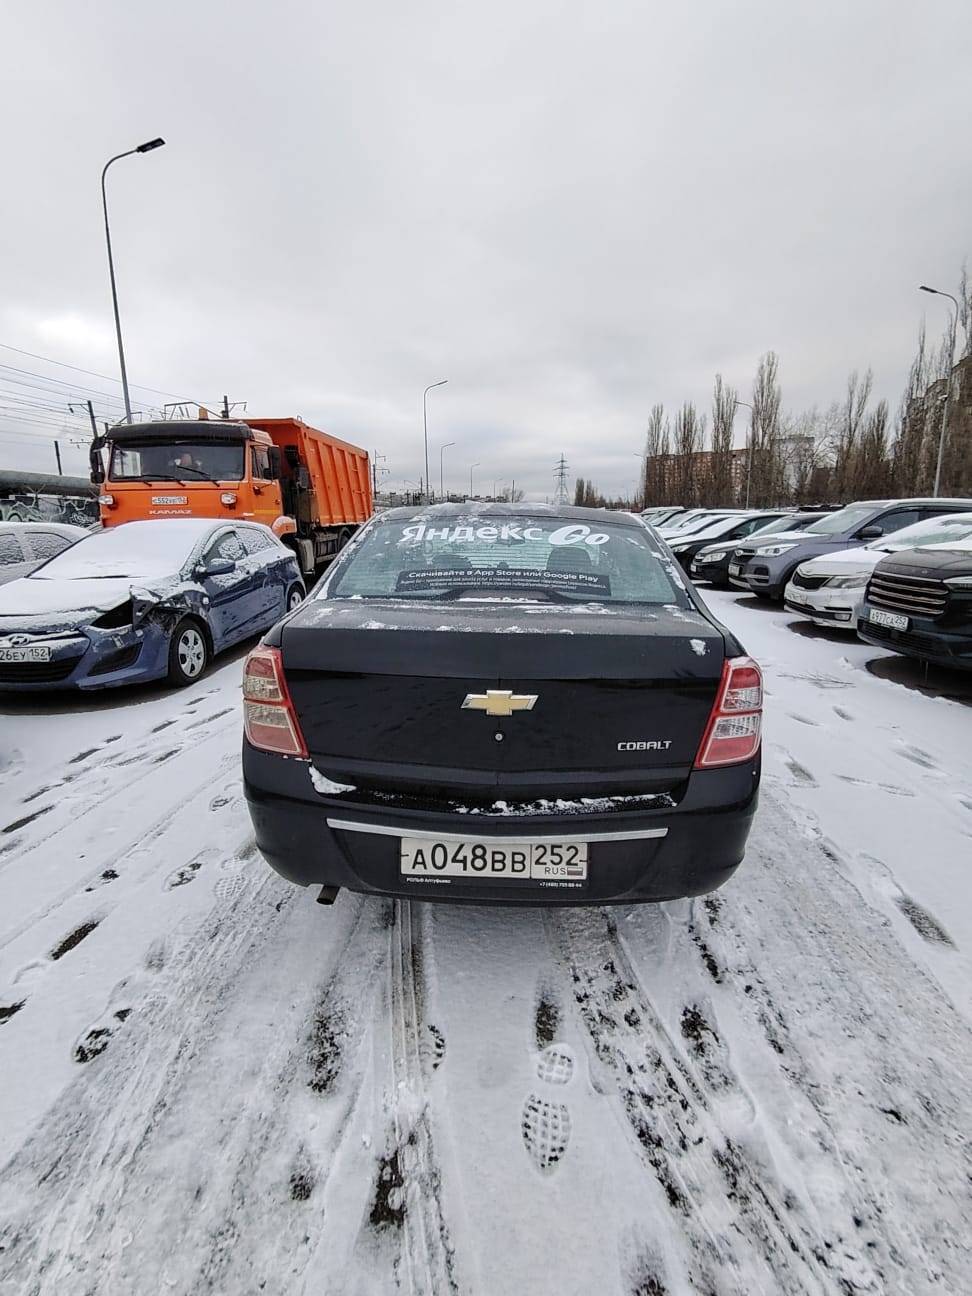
512 557
174 460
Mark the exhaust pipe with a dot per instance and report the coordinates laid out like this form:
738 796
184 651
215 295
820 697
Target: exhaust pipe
328 895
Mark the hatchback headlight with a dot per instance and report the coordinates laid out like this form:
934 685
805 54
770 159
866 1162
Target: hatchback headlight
711 557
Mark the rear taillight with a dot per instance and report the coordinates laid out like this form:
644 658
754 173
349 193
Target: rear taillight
733 732
269 719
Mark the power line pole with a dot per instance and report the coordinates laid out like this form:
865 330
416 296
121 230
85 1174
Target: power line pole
57 452
560 472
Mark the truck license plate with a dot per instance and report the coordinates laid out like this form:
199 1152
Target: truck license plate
893 620
33 654
170 499
495 861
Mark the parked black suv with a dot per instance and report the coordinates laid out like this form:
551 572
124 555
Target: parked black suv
919 602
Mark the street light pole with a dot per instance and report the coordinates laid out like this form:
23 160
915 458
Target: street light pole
749 454
442 449
141 148
425 425
471 467
937 292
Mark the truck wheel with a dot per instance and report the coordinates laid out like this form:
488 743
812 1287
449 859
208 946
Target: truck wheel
295 596
188 653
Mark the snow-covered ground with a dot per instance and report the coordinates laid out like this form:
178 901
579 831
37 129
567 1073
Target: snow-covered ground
212 1084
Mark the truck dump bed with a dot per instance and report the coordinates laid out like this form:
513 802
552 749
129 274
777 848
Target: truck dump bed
339 477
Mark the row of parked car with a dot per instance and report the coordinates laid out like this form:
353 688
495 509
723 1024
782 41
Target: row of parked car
898 572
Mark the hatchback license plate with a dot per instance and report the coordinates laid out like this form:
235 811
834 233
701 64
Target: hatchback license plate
495 861
893 620
735 569
37 653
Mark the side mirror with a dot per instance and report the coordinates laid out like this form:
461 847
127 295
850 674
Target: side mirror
97 467
276 463
871 532
215 567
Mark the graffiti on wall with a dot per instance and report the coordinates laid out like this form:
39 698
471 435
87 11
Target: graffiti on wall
33 506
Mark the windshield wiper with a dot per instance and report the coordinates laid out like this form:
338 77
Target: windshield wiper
201 471
151 477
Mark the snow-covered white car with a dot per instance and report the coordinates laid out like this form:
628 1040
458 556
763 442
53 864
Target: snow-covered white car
830 589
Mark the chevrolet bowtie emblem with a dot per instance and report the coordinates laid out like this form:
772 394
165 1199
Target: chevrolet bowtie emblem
499 702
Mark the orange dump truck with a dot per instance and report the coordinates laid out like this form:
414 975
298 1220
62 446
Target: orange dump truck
311 488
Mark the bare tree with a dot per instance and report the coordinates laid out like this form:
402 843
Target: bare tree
908 454
689 435
655 464
763 468
965 309
873 470
846 466
719 484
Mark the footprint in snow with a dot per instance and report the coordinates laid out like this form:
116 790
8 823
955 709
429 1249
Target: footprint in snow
556 1065
892 788
182 876
814 724
801 775
98 1036
229 886
918 757
545 1127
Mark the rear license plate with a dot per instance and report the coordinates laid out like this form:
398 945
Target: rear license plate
735 569
892 620
559 863
34 654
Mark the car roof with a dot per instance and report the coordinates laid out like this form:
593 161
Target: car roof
472 508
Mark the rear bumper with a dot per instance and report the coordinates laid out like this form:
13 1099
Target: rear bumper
634 854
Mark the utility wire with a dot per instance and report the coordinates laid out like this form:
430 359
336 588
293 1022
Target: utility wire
91 374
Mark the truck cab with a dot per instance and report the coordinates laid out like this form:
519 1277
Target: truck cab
311 488
198 468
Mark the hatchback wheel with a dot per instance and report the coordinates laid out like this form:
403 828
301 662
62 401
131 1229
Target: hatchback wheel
188 653
295 596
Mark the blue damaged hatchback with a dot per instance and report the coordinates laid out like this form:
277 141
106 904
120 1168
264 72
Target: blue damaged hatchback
144 601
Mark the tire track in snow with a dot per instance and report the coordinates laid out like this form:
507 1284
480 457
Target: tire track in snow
871 1059
115 1170
741 1224
427 1250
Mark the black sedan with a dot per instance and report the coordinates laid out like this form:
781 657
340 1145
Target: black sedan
919 603
506 703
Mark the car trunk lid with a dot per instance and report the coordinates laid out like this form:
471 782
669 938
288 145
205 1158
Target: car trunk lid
596 702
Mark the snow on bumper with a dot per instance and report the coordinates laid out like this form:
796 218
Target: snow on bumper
325 841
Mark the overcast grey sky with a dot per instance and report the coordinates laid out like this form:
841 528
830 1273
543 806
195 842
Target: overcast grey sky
570 211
